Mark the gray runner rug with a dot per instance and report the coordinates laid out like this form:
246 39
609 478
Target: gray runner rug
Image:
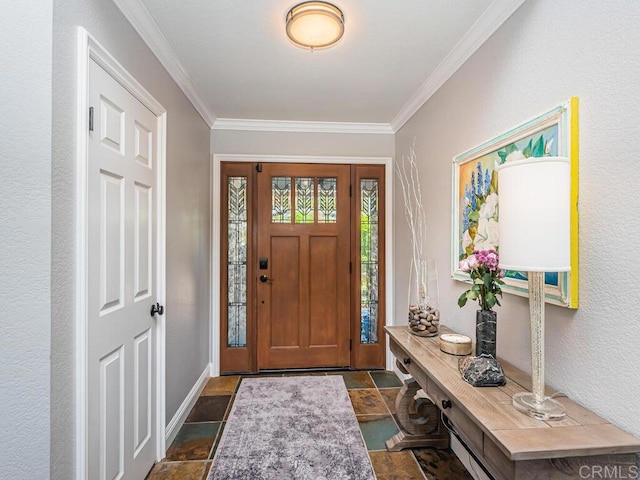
292 428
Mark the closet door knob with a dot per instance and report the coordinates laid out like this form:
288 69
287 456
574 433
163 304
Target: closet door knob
157 308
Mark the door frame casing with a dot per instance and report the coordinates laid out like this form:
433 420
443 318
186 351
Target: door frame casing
216 259
89 49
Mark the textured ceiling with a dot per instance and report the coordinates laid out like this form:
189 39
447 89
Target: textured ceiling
243 66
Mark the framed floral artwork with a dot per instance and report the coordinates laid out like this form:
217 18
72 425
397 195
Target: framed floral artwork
475 216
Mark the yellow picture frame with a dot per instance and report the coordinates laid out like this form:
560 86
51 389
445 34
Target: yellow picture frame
475 190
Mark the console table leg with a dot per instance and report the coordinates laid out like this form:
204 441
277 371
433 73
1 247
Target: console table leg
419 418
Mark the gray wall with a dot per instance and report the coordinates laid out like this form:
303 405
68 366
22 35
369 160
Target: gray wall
296 143
545 53
25 239
188 213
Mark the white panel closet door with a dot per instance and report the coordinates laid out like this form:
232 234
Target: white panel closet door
122 196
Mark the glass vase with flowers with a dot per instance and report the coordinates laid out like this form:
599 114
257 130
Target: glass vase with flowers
486 278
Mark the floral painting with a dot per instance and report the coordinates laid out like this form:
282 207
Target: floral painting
476 192
479 201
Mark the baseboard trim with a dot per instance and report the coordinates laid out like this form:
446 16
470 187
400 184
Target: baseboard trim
181 415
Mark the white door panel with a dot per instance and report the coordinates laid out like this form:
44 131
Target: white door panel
142 408
143 145
143 260
112 415
112 125
121 259
111 238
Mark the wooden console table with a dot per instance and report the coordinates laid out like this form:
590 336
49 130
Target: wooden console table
510 444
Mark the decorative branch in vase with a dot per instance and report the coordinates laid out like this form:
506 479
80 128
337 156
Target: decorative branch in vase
424 316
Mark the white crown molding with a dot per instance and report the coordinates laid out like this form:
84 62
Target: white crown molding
142 21
301 126
497 13
148 29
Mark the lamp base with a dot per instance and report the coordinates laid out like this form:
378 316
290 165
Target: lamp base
548 409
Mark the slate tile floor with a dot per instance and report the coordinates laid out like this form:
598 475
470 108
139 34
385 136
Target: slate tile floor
373 396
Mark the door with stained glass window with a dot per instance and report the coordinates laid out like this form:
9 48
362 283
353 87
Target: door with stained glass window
304 287
369 266
237 284
302 266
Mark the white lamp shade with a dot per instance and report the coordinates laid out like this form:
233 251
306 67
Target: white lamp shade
534 214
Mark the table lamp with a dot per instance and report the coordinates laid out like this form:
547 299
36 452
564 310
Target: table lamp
534 228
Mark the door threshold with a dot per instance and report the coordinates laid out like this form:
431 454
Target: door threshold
304 370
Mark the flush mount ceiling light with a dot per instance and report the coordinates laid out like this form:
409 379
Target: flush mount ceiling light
315 24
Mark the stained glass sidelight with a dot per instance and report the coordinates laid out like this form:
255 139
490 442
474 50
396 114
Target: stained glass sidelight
304 199
369 260
281 199
237 262
327 200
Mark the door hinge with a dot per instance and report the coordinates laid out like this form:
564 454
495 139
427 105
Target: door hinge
259 167
350 344
350 267
91 119
350 190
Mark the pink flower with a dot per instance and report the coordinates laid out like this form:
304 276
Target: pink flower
492 260
472 261
464 265
468 263
482 267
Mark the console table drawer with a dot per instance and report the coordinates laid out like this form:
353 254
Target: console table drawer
409 364
463 425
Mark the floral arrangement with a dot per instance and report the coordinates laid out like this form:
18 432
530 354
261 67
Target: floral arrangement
482 267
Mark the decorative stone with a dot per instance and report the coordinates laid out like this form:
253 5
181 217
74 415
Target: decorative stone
481 371
423 320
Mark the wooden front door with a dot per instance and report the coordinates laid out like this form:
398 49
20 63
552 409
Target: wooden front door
302 272
303 250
